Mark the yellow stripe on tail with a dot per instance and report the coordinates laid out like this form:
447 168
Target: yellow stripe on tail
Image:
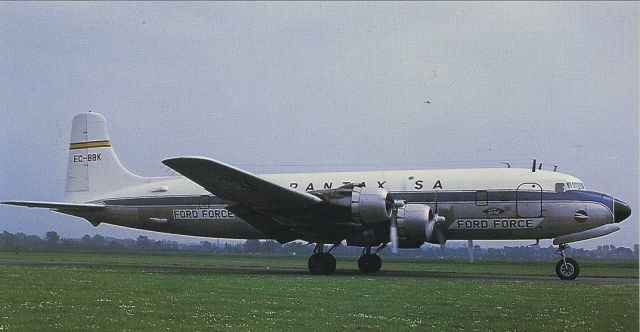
93 144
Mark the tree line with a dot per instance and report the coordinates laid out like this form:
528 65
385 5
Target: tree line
52 241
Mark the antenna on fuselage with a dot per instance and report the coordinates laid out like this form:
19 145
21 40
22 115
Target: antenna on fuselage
540 167
533 169
555 168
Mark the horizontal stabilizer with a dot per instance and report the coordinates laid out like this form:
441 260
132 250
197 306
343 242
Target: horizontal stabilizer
233 184
57 205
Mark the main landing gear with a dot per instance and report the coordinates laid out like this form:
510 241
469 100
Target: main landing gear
369 263
566 268
322 262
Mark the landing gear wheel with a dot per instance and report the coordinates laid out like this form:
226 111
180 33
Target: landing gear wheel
322 263
568 271
369 263
331 263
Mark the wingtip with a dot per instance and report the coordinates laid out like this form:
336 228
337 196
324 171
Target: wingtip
169 160
183 164
179 161
172 162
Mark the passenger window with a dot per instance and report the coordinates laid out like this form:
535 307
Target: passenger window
482 197
204 202
560 188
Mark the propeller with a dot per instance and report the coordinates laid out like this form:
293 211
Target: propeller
393 235
393 229
431 229
470 250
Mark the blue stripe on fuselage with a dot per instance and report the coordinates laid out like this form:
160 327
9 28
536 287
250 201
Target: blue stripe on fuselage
410 197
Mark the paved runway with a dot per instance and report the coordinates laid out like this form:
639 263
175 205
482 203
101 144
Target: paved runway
262 270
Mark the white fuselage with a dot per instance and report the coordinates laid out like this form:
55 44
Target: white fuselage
503 203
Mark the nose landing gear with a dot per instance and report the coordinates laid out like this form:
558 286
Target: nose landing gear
566 268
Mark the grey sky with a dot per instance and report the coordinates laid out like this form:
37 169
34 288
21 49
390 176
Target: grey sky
276 87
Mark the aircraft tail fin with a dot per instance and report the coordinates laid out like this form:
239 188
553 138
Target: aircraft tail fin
93 167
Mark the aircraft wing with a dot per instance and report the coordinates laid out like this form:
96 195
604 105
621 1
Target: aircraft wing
57 205
233 184
264 223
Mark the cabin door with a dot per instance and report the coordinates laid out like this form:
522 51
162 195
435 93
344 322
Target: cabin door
529 200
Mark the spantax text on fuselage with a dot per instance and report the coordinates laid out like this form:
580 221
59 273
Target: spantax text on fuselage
310 186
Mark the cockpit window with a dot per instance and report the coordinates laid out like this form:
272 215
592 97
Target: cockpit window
575 185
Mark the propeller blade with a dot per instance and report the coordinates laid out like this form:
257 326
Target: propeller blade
393 230
470 250
433 232
393 235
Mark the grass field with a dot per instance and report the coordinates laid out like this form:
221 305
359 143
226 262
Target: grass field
151 298
589 268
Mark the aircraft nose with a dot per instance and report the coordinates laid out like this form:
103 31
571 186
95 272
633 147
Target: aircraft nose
621 210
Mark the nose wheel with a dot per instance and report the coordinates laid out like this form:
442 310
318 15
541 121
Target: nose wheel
566 268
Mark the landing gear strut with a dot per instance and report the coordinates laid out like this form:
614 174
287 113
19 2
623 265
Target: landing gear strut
321 262
368 262
566 268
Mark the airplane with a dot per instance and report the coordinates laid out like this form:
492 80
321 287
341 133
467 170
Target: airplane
372 209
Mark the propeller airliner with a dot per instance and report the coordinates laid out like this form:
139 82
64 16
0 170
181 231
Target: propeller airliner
405 208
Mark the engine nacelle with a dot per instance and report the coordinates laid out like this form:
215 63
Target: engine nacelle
411 221
358 204
417 224
371 206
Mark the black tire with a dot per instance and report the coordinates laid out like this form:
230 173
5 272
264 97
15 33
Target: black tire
369 263
377 263
331 264
322 263
569 271
315 264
